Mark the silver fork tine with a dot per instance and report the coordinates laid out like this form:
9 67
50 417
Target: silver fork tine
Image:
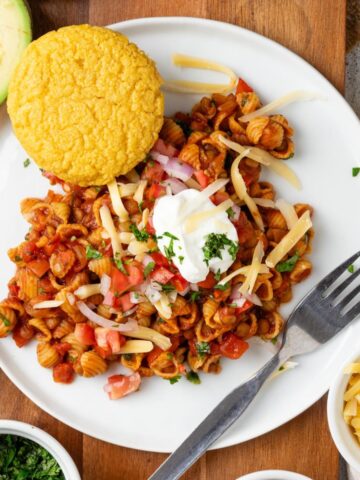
332 276
346 300
338 290
353 312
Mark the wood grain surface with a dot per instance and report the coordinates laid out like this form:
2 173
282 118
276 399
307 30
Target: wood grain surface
315 29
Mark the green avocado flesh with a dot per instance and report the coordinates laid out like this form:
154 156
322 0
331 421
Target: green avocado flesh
15 35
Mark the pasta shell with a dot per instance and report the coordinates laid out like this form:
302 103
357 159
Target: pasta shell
285 151
7 320
61 262
212 364
180 306
47 355
64 327
14 304
40 325
165 365
255 129
195 361
101 266
272 136
302 270
145 309
74 342
61 210
209 309
132 360
248 102
275 325
66 232
92 364
28 284
172 133
280 119
188 321
190 154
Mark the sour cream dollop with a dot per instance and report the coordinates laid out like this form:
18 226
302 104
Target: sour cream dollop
170 215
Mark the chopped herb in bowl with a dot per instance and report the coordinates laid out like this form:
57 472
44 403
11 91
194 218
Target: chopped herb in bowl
23 459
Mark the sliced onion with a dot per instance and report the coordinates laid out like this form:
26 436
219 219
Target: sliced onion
105 284
185 291
236 209
179 170
147 259
136 297
194 287
235 292
152 294
156 286
238 302
175 185
71 298
159 157
253 298
109 299
131 324
130 312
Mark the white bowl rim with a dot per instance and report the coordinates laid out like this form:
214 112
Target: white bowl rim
37 435
343 438
282 475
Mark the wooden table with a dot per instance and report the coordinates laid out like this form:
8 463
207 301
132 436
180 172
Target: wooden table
315 29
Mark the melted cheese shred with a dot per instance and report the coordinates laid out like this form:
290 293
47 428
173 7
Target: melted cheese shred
242 271
193 221
86 291
241 192
137 346
145 333
139 194
263 157
48 304
291 238
288 212
109 226
185 86
163 306
298 95
254 270
116 201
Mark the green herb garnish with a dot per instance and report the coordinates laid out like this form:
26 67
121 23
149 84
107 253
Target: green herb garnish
23 459
149 268
5 321
221 286
351 268
140 235
166 288
194 296
181 259
230 212
119 264
128 356
288 265
215 243
217 275
202 348
26 162
141 205
174 379
355 171
170 235
170 356
193 377
91 252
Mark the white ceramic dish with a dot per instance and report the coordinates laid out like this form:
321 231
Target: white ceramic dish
37 435
327 140
341 433
274 475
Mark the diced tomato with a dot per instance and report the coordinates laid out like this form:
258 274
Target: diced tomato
202 178
62 348
179 283
50 247
28 251
63 373
246 306
233 346
85 334
209 281
101 337
120 385
220 197
153 355
115 341
161 275
160 260
39 267
124 302
242 86
153 172
136 273
215 348
103 352
22 334
119 281
109 299
165 148
149 227
155 191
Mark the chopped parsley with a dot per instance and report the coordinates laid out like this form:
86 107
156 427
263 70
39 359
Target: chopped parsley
217 275
140 235
221 286
174 379
169 250
5 320
128 357
170 235
119 263
23 459
216 242
26 162
288 265
141 205
202 348
166 288
274 340
351 268
194 296
355 171
181 259
193 377
149 268
91 252
170 356
230 212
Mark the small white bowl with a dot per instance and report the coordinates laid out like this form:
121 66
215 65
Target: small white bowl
341 433
37 435
274 475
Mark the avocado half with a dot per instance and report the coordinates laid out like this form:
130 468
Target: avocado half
15 35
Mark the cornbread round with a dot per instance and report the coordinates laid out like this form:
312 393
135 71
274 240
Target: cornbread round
85 104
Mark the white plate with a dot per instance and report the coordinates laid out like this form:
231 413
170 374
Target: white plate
327 139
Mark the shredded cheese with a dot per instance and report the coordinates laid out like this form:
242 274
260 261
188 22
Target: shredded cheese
248 285
263 157
265 202
109 226
241 192
290 239
136 346
144 218
184 86
136 247
139 194
116 201
48 304
145 333
127 189
126 237
193 221
163 306
298 95
242 271
86 291
288 212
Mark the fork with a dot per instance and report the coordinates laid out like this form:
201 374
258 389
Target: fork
319 316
